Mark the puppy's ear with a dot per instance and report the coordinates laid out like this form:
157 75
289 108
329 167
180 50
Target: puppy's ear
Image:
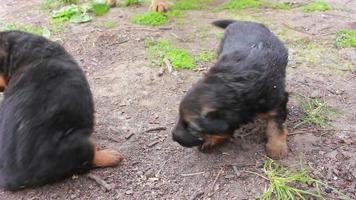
213 123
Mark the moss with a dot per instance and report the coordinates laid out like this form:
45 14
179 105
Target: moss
346 38
158 51
317 5
149 18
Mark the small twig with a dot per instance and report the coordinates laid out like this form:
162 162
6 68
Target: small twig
128 136
257 174
294 29
161 167
217 176
196 195
160 128
100 181
304 131
192 174
153 143
165 28
168 64
142 29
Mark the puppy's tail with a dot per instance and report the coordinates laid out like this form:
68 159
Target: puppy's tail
223 23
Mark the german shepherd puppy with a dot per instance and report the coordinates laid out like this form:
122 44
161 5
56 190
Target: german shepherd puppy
248 80
46 116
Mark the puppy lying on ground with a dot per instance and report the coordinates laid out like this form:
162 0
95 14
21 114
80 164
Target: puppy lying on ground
156 5
47 115
247 81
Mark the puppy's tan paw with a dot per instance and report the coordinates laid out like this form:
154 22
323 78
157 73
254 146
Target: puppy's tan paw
107 158
277 151
159 5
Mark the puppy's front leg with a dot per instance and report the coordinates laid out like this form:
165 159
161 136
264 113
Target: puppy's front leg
159 5
105 157
276 146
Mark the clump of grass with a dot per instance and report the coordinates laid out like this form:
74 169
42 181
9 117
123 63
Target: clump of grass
286 184
243 4
316 112
158 51
316 5
149 18
133 2
106 24
240 4
274 5
38 30
346 38
205 56
189 4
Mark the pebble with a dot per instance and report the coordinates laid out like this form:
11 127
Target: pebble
129 192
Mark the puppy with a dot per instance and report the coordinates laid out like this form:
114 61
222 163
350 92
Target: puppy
248 80
156 5
46 116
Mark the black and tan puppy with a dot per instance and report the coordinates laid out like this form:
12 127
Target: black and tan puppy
46 116
247 81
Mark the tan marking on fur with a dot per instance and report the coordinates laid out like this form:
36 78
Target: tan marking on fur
2 82
159 5
267 115
105 157
213 140
205 110
276 146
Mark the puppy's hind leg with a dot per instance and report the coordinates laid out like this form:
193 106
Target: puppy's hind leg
277 132
105 157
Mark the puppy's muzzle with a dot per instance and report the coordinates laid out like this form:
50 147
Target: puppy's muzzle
185 139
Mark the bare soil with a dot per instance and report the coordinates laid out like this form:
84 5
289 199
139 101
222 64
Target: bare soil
131 98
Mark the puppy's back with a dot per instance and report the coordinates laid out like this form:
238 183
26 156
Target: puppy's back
244 35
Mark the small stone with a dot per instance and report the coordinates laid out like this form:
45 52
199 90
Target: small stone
129 192
328 190
229 176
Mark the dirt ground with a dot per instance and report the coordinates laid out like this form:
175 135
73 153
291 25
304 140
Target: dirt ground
131 99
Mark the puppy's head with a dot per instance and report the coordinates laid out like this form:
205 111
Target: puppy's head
203 121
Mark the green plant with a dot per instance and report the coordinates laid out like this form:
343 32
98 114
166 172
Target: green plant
316 112
205 56
38 30
99 7
158 51
106 24
285 184
189 4
274 5
149 18
133 2
240 4
316 5
346 38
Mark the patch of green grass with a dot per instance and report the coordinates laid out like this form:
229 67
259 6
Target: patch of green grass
275 5
71 13
38 30
243 4
205 56
316 112
239 4
286 184
189 4
133 2
106 24
98 7
316 5
149 18
346 38
158 51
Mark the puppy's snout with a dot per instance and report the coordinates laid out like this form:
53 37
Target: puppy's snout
184 138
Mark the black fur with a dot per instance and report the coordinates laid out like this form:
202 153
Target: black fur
247 79
46 117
